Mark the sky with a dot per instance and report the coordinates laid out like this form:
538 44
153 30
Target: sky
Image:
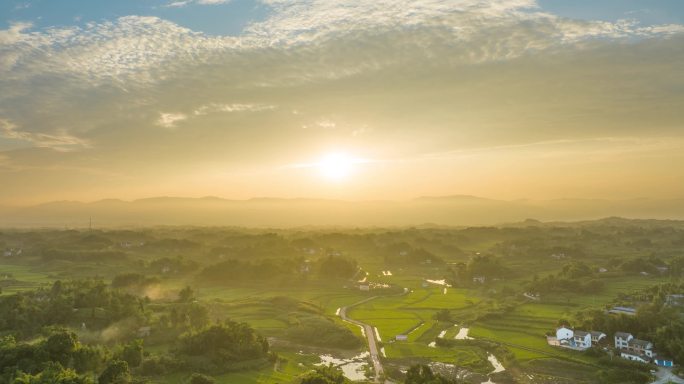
341 99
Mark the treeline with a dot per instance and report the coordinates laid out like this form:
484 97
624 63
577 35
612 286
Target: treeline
574 277
277 270
82 255
488 267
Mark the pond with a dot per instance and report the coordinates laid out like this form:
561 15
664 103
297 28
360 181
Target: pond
353 368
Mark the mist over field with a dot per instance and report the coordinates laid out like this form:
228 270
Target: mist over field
267 212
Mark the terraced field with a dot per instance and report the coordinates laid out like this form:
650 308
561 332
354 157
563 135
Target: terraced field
401 314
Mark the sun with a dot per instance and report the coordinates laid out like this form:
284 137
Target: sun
336 166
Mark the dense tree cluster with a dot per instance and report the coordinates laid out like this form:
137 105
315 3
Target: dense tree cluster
219 346
422 374
402 253
82 255
77 302
642 264
59 357
335 267
240 272
323 375
133 280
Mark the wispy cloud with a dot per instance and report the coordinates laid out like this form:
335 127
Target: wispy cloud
180 4
169 120
235 107
60 140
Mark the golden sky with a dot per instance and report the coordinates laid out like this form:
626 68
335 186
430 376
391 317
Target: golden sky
358 100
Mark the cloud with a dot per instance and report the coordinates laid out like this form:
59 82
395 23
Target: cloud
180 4
60 140
235 107
169 120
401 78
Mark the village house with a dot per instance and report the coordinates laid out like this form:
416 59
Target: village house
581 340
674 300
12 252
641 347
634 349
564 333
626 354
597 336
574 339
622 340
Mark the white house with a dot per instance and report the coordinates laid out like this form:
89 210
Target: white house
479 279
564 333
641 347
597 336
622 340
364 287
401 337
581 340
634 357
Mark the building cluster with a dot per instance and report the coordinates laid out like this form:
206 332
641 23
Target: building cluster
576 339
626 345
10 252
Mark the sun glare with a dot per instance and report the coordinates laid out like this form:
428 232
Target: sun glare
336 166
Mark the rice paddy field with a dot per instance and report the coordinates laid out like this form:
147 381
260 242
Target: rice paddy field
483 321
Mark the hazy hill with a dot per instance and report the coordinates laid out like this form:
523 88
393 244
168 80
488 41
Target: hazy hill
440 210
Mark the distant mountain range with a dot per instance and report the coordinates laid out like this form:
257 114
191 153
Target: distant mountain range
274 212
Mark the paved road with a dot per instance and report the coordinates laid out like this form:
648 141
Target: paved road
370 335
665 375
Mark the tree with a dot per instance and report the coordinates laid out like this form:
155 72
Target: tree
117 372
422 374
324 375
443 315
133 353
54 373
61 345
337 268
186 295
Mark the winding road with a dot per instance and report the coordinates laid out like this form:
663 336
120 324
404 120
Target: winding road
370 335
